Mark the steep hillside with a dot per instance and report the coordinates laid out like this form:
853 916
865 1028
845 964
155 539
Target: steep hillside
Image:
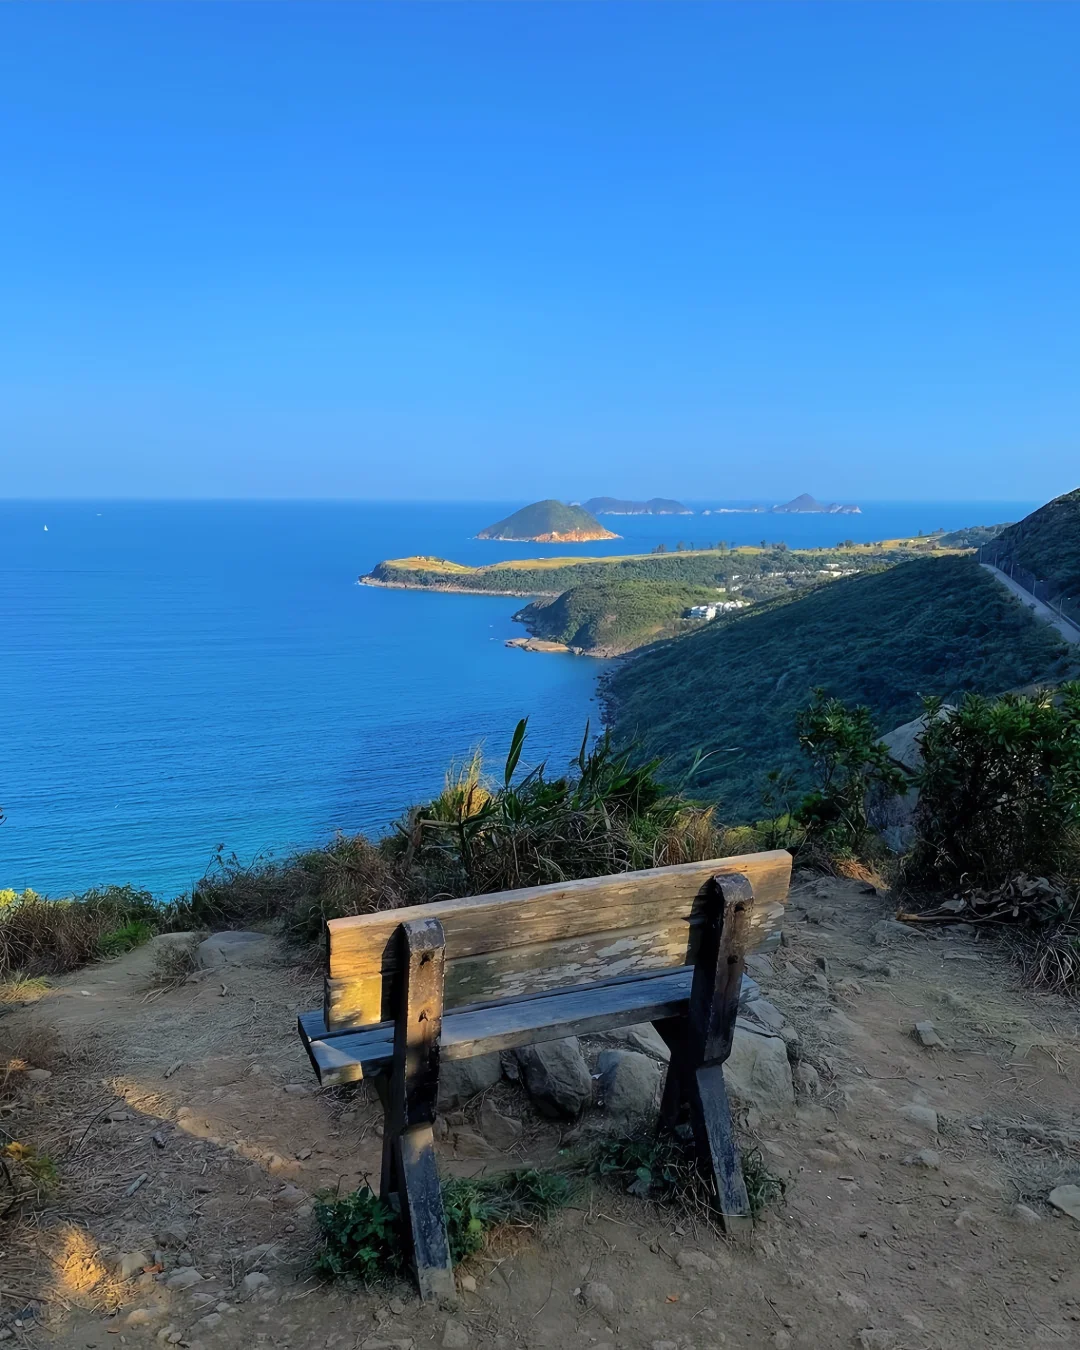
614 616
931 626
1048 543
548 522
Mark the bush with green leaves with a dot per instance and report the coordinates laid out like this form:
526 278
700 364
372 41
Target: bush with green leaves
999 790
848 762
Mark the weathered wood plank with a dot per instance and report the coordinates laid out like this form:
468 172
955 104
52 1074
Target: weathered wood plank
349 1056
520 942
718 1151
422 1209
714 996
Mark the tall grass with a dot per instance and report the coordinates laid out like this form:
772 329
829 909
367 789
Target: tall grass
48 937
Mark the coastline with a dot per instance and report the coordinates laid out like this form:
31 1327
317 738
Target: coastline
368 580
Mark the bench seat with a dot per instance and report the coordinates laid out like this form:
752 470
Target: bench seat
504 1024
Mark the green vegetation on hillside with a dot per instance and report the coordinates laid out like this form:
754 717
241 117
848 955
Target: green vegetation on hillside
1048 543
972 537
746 568
615 615
548 520
932 626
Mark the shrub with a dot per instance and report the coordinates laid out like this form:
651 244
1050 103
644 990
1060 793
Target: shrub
360 1236
848 762
999 791
47 937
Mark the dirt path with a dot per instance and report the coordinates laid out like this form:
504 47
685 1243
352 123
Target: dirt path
186 1128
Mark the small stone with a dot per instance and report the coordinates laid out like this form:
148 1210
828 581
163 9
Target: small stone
598 1297
502 1131
467 1283
696 1262
132 1264
925 1034
174 1234
781 1339
1026 1214
816 980
556 1077
925 1157
644 1037
630 1083
297 1089
140 1317
923 1116
873 1338
303 1155
210 1322
290 1197
888 931
38 1075
1066 1199
826 1157
251 1284
807 1079
462 1079
186 1278
455 1336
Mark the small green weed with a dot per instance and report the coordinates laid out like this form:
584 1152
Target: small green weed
763 1188
126 938
361 1236
652 1167
476 1205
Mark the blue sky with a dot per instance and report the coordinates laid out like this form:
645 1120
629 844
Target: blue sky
510 251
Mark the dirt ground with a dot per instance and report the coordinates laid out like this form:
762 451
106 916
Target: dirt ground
186 1126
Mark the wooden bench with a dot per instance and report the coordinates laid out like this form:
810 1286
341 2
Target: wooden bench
457 978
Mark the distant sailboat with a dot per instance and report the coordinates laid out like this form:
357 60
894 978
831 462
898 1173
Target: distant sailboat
45 528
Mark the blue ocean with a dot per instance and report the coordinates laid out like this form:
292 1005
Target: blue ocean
179 676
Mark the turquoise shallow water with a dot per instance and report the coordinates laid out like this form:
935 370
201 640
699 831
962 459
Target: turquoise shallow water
175 676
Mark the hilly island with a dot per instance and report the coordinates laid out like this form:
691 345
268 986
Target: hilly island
548 522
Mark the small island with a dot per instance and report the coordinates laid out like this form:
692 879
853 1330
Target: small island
548 522
805 504
655 506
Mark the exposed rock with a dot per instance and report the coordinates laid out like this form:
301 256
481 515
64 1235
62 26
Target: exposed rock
1067 1199
132 1264
925 1157
887 931
233 949
557 1077
643 1037
174 1234
251 1284
696 1262
142 1317
764 1012
757 1073
467 1284
925 1034
598 1297
923 1116
1026 1214
502 1131
462 1079
186 1278
807 1079
455 1336
38 1075
469 1144
630 1083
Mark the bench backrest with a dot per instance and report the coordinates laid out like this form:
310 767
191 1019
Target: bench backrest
539 938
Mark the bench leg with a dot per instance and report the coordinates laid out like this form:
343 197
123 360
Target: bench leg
409 1168
701 1042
